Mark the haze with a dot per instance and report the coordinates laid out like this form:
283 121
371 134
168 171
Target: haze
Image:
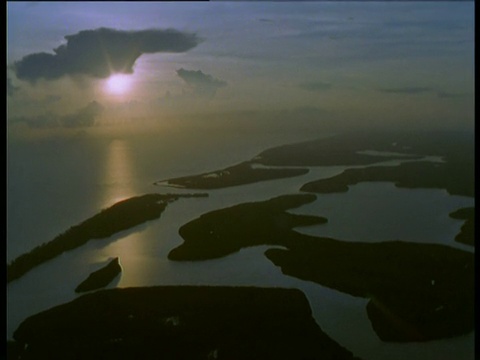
328 65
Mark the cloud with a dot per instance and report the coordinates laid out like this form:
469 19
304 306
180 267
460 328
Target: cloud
194 96
99 53
84 117
202 84
315 86
11 89
406 90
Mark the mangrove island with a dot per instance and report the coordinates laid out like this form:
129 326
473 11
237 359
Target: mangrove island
120 216
241 174
100 278
417 292
178 323
467 232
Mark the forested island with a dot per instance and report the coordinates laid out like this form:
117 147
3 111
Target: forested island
417 292
455 173
418 174
244 173
431 298
100 278
467 232
342 149
120 216
222 232
178 323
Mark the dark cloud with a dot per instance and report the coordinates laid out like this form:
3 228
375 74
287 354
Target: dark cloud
99 53
11 89
84 117
315 86
202 84
406 90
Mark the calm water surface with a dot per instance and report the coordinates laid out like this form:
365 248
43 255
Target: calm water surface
54 185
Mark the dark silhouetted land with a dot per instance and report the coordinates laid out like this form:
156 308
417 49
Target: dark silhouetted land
455 174
467 232
178 323
121 216
340 149
222 232
346 148
456 148
417 292
100 278
239 174
421 174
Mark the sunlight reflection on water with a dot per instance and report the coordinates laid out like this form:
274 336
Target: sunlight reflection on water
118 175
143 250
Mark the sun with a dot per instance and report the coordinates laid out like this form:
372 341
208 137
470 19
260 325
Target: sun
118 84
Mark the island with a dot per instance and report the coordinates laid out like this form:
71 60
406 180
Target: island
342 149
225 231
353 149
359 148
457 180
100 278
467 232
244 173
176 323
120 216
416 292
455 173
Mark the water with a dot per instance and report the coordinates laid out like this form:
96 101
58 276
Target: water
379 211
53 185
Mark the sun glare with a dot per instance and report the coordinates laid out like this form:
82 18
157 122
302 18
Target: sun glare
118 84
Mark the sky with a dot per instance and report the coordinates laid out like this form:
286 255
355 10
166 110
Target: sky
88 65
